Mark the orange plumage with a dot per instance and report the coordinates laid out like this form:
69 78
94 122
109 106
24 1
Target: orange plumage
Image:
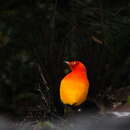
75 85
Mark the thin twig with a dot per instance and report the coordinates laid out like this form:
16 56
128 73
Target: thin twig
43 77
42 96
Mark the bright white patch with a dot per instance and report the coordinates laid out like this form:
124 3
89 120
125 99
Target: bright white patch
121 114
79 110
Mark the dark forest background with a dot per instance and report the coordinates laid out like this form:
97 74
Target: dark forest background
36 36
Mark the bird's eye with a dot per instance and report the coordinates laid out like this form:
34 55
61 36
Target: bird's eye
73 63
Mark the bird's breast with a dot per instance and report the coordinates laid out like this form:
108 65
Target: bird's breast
74 89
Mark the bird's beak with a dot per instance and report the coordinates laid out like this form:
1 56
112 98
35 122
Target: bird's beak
67 62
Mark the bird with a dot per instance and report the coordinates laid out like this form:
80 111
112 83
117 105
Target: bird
74 86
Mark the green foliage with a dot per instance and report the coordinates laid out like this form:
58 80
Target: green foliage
27 96
128 99
45 125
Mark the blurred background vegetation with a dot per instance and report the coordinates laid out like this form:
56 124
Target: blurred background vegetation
36 36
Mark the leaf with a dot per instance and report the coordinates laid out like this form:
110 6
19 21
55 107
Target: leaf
25 96
129 99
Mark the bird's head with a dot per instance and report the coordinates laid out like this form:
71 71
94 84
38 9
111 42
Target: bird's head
76 65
